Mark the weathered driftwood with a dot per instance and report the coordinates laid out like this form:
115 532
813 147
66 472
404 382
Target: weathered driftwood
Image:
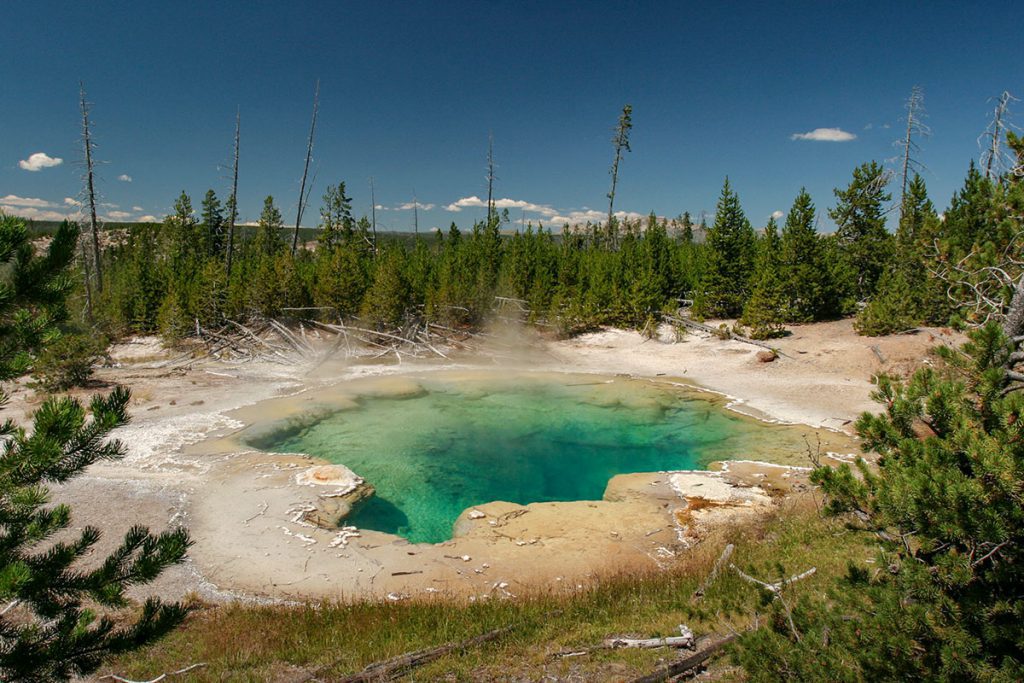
685 640
688 663
391 669
773 587
693 324
158 678
719 563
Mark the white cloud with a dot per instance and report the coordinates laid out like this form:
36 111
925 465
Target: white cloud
39 161
71 201
505 203
592 216
119 215
825 135
869 126
777 214
15 200
409 206
886 125
148 219
31 212
137 208
124 178
549 213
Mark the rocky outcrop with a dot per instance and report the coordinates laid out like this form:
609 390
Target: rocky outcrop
342 489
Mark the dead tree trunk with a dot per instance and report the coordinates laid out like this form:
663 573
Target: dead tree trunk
490 177
305 169
233 201
915 127
415 215
995 131
90 189
88 285
1013 323
621 142
373 216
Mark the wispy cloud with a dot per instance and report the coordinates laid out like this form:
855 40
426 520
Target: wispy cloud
137 208
548 213
409 206
39 213
148 219
825 135
504 203
124 178
592 216
119 215
777 214
71 201
15 200
39 161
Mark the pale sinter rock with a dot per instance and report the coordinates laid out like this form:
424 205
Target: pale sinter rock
345 489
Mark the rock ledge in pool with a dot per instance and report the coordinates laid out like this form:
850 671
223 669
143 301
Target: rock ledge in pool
348 490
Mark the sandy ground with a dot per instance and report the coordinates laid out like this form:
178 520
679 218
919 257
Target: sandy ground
245 510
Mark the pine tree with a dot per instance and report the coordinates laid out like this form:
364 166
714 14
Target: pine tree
805 276
335 216
180 231
967 218
213 227
942 600
860 219
650 277
340 280
686 233
47 632
386 300
268 240
905 290
725 285
766 309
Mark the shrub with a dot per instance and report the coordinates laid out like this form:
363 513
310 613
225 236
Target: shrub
67 362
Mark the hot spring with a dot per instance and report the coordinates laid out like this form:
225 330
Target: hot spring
435 444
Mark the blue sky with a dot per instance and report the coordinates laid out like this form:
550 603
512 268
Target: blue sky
409 92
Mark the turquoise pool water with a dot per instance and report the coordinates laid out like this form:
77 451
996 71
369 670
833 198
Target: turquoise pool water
455 444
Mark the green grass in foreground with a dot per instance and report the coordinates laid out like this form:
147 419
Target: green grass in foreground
244 643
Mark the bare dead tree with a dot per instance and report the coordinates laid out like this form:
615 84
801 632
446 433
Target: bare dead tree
373 216
90 187
88 285
994 157
233 200
490 177
621 142
916 128
415 214
979 288
303 196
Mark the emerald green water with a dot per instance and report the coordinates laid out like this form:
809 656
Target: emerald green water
460 443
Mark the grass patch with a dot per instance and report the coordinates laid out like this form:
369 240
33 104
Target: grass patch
246 643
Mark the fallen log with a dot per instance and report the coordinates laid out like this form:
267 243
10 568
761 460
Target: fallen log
719 563
773 587
391 669
688 663
685 640
693 324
